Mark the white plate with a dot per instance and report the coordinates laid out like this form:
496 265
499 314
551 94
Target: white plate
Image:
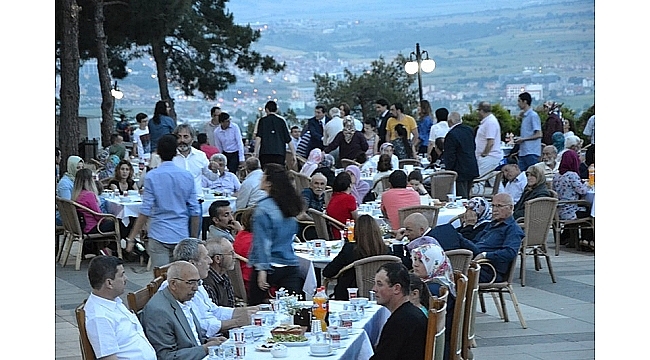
294 343
263 349
321 355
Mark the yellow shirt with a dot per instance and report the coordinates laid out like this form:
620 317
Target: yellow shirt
408 122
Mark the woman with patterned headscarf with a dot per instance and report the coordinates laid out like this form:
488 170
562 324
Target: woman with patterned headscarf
351 143
434 268
316 155
475 218
326 167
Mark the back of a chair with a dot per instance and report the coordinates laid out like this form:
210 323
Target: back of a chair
328 195
385 183
538 218
154 285
87 352
456 342
413 162
435 345
497 183
460 259
429 212
442 183
347 162
469 331
161 271
366 268
237 280
302 181
69 216
138 299
322 223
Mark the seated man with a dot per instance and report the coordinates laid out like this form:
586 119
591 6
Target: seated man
250 192
114 332
385 148
404 333
516 181
170 322
224 225
226 181
500 241
218 284
397 197
208 149
314 195
549 162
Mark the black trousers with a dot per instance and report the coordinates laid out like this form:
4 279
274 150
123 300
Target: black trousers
271 158
287 277
463 188
233 161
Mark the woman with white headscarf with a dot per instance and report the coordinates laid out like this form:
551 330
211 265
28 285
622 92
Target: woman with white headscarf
314 159
66 184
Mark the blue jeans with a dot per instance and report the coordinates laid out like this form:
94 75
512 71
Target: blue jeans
527 160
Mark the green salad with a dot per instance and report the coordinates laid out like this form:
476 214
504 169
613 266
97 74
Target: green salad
286 338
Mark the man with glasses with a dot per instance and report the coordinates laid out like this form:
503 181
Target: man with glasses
217 283
170 322
499 242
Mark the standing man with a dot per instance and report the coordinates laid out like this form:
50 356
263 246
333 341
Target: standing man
113 331
438 130
227 138
271 136
381 107
459 154
212 125
170 202
488 140
250 192
141 138
217 283
530 141
553 122
295 136
315 126
398 117
404 333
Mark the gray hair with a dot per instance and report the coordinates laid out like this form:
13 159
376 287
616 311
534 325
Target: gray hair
187 249
215 245
221 157
187 127
454 118
335 112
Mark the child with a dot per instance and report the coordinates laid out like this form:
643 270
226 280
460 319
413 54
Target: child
419 294
242 243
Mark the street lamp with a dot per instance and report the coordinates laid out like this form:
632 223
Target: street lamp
116 93
418 65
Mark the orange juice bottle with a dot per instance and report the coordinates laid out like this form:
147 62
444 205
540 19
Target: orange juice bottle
351 231
320 309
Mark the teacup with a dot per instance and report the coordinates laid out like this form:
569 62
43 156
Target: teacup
279 351
320 348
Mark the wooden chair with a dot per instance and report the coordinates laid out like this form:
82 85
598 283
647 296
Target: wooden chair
442 183
469 330
68 210
138 299
578 223
346 162
323 223
414 162
538 221
500 288
302 181
429 212
366 268
161 271
237 280
460 259
456 339
435 345
87 352
301 161
154 285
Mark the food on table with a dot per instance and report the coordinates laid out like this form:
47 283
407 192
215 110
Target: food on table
286 338
288 330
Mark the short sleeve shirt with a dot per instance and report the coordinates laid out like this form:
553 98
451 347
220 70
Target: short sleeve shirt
529 124
489 128
408 122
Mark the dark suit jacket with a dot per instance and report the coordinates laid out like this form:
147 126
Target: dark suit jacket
315 128
459 152
449 238
381 128
168 331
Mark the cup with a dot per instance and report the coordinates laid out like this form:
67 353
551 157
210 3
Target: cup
228 350
346 319
237 335
352 292
320 348
371 296
240 349
257 319
451 198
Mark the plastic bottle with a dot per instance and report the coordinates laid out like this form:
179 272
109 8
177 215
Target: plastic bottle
592 175
351 231
320 310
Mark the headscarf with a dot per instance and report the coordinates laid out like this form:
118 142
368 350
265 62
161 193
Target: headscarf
558 141
570 162
327 162
73 161
422 240
384 146
315 157
482 208
360 188
437 265
348 129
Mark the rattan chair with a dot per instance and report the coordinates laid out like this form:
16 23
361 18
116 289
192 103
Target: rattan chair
302 181
469 330
87 352
328 195
500 288
347 162
442 183
429 212
323 224
435 345
460 259
456 339
414 162
538 220
479 183
366 268
578 223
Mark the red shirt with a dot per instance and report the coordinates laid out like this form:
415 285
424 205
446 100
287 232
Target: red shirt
209 150
242 246
394 199
340 207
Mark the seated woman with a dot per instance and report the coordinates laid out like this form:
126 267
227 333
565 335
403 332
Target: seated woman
342 205
367 242
313 161
434 268
351 143
419 294
385 148
226 182
384 168
569 186
242 244
359 187
66 184
123 178
326 167
415 181
402 144
475 218
535 188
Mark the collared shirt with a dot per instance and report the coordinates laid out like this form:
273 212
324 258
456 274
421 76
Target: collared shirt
187 311
226 182
229 139
112 329
516 187
489 128
549 172
219 288
438 130
169 200
529 125
250 192
215 233
209 129
500 241
197 164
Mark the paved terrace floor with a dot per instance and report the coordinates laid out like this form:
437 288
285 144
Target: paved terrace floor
560 316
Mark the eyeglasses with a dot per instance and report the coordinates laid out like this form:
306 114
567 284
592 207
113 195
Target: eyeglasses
192 283
499 206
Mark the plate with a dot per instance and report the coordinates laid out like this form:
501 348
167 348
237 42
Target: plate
294 343
264 349
321 355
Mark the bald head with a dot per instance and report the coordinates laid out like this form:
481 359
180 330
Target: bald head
183 278
415 225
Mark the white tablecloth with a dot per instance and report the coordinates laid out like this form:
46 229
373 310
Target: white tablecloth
308 264
444 215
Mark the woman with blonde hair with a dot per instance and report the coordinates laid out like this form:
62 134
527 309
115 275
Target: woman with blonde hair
535 188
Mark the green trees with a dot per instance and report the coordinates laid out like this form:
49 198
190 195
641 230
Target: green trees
360 91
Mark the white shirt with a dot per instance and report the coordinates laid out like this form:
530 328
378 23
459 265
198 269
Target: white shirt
438 130
489 128
516 187
250 192
113 329
142 153
374 160
332 128
187 311
196 163
590 129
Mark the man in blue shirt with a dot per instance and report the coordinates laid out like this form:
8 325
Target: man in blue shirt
530 139
170 202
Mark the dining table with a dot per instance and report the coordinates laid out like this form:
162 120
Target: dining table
310 264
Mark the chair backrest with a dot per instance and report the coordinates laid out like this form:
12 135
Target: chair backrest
385 183
469 330
322 222
435 345
302 181
346 162
443 294
539 214
442 183
237 280
497 182
429 212
161 271
87 352
154 285
456 339
413 162
138 299
69 216
366 268
239 213
328 195
460 259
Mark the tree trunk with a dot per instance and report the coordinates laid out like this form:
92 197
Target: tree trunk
69 93
161 67
108 123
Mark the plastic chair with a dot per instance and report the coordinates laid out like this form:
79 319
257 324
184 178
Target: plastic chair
538 220
442 183
429 212
366 268
500 288
435 345
87 352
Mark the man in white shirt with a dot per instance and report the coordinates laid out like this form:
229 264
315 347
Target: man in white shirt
487 140
113 331
211 125
516 181
438 130
141 138
333 127
250 192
